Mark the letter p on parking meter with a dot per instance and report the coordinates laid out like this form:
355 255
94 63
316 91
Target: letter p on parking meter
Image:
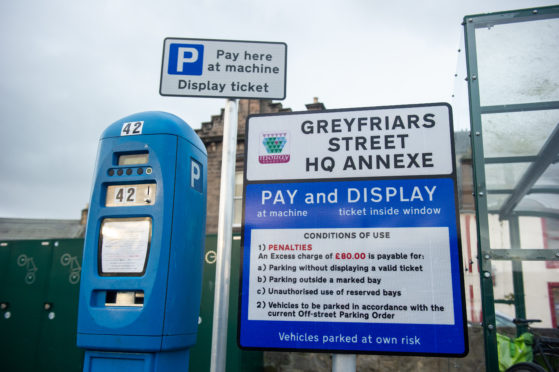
143 255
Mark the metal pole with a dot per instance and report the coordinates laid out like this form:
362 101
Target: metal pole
224 238
517 275
344 362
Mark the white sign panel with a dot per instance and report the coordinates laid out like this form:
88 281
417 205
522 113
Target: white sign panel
383 275
350 233
124 245
359 143
223 68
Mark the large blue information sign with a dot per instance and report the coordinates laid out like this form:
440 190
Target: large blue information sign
350 233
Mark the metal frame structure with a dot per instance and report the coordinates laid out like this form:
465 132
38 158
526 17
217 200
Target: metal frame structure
508 211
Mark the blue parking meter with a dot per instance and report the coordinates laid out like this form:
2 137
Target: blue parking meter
143 255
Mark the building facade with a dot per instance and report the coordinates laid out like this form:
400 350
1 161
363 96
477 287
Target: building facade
211 134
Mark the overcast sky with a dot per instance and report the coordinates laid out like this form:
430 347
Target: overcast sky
70 68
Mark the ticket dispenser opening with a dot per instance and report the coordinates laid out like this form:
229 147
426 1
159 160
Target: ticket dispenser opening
143 253
124 298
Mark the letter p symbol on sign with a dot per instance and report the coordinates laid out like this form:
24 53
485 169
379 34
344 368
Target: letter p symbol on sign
186 59
196 181
182 57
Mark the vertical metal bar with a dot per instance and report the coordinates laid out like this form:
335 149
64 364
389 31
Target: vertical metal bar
344 362
480 192
224 238
517 275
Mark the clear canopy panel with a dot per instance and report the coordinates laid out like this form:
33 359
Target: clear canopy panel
517 62
513 82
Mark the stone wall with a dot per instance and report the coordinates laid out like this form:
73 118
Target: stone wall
211 134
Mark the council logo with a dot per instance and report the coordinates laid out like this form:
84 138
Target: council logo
275 148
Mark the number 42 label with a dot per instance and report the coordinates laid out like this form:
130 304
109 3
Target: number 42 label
124 195
132 128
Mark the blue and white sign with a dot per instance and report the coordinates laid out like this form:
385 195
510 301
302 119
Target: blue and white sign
352 263
186 59
223 68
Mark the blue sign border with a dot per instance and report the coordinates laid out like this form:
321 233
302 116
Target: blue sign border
301 335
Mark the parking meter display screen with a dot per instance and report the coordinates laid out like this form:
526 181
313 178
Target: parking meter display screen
133 159
130 195
124 246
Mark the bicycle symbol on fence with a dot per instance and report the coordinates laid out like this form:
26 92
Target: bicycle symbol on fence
23 260
75 268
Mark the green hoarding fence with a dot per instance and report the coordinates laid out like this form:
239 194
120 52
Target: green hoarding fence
237 360
39 295
39 286
60 305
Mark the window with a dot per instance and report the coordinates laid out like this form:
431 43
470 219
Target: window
550 227
553 289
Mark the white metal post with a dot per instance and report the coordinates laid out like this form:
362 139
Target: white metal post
224 238
344 362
